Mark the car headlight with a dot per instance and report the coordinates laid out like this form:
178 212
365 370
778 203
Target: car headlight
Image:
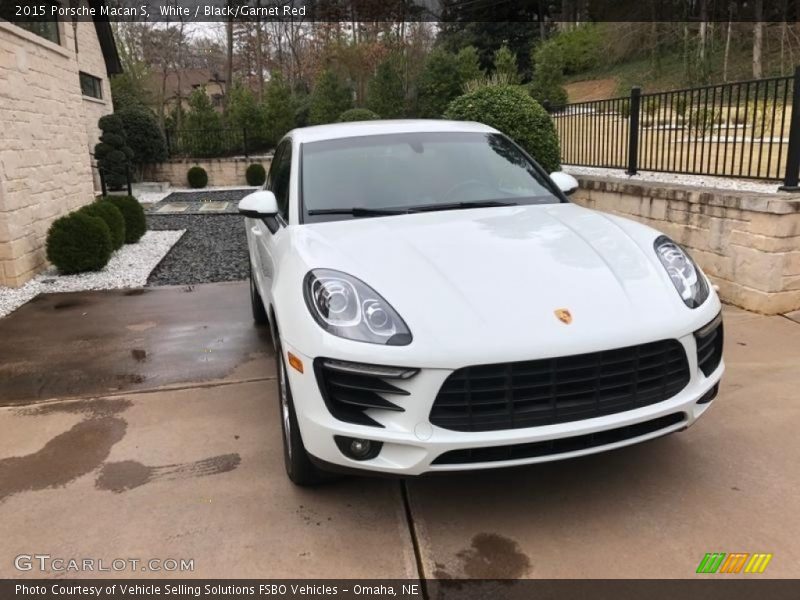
347 307
685 275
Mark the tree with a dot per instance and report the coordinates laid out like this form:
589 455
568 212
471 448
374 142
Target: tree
469 65
244 115
277 109
505 65
143 135
758 39
385 93
330 98
548 76
438 84
204 126
112 152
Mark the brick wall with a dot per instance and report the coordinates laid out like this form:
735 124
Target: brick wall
748 244
46 131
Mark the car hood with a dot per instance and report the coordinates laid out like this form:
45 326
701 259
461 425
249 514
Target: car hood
495 278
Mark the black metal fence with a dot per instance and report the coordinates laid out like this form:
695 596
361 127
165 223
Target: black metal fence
745 129
211 143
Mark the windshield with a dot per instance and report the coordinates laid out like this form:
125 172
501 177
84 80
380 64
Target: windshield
409 171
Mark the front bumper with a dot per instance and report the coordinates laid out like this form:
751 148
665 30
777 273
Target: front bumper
411 444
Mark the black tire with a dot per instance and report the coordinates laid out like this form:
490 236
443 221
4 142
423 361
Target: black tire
256 303
299 468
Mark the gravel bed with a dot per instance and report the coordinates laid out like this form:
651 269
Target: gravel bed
722 183
129 267
232 195
214 248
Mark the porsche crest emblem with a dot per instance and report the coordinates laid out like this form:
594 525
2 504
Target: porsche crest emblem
563 315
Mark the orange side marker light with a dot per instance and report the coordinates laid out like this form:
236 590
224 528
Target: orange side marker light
295 362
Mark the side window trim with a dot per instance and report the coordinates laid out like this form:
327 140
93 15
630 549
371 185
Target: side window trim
273 166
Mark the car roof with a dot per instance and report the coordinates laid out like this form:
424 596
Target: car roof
333 131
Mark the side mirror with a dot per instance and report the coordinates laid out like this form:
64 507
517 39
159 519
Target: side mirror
258 205
565 182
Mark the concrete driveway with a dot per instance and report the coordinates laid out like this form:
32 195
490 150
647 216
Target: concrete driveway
145 425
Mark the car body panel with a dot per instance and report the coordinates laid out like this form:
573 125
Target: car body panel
475 286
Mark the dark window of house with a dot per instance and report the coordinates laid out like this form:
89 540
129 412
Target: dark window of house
43 25
91 86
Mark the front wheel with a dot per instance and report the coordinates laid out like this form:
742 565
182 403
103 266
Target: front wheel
299 467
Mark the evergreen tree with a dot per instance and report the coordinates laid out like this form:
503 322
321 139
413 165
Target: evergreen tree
548 77
438 84
469 66
505 65
243 115
202 135
112 152
277 109
385 92
330 98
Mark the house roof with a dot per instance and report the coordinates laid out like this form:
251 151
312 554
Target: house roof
106 38
189 79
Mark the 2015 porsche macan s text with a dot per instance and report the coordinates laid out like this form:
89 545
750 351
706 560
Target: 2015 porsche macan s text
438 304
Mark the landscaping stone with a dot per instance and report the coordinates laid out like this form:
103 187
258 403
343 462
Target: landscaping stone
214 248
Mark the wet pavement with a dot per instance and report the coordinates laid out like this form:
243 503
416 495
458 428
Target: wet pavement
95 343
187 463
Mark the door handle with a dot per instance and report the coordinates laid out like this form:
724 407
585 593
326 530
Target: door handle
256 231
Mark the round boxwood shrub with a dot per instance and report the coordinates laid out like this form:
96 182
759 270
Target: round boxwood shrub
113 218
256 174
357 114
79 242
133 213
511 110
197 177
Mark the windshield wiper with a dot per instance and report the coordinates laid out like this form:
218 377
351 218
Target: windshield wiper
459 205
357 211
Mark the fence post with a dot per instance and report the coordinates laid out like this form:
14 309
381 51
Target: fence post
633 131
244 139
792 176
103 187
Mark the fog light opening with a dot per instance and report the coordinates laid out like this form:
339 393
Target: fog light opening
358 449
709 395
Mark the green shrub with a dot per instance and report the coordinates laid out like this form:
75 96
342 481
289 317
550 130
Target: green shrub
197 177
505 64
112 152
256 174
511 110
112 217
133 213
202 135
143 135
357 114
79 242
278 109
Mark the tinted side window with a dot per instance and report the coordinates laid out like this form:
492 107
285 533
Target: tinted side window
280 182
273 166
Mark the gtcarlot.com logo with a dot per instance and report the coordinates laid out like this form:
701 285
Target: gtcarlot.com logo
735 562
47 563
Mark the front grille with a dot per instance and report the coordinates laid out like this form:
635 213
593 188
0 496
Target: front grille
709 342
559 390
559 446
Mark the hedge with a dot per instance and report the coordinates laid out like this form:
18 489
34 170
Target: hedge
256 174
133 213
79 242
357 114
510 109
197 177
112 217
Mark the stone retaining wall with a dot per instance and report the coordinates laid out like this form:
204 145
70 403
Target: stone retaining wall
748 244
221 171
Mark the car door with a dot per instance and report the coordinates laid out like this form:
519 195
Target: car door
267 232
